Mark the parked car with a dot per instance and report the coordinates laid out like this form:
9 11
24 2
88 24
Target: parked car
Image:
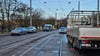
31 29
18 31
63 30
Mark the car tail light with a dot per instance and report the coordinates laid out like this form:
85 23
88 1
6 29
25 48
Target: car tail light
85 41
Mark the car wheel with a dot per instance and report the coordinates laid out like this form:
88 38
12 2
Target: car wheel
12 34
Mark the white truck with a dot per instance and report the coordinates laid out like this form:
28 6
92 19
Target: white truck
83 36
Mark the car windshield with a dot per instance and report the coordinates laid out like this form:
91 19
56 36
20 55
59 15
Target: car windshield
47 27
29 27
18 28
63 28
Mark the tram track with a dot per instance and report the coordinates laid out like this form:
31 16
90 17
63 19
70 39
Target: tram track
42 46
5 43
24 42
38 43
60 48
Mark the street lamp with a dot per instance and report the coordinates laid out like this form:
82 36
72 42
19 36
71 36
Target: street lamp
30 12
97 12
78 5
56 17
78 8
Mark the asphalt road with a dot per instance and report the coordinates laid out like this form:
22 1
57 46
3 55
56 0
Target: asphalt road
41 44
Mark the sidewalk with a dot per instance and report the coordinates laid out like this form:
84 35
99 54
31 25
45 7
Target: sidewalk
4 34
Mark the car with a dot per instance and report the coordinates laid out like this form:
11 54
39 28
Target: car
31 29
47 27
18 31
62 30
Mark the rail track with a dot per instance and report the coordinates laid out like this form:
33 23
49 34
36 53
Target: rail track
10 47
16 39
60 48
44 46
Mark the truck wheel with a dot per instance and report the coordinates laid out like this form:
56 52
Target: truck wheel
74 43
68 39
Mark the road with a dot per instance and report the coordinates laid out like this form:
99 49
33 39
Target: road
41 44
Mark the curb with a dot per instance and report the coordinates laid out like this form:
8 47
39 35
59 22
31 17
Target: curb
1 35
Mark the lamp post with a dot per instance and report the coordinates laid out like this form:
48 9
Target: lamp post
30 12
56 18
78 5
97 12
78 9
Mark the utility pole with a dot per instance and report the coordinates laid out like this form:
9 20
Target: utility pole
56 18
98 12
78 5
78 9
30 12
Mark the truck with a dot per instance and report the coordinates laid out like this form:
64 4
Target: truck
82 33
47 27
